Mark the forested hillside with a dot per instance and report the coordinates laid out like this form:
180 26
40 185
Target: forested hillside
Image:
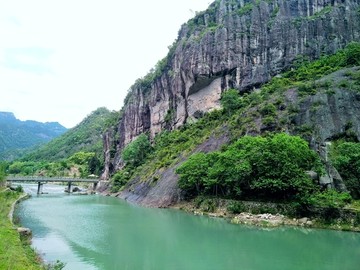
262 145
17 137
78 152
86 137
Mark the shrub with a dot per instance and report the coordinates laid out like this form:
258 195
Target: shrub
193 173
344 84
352 54
306 89
120 179
330 199
135 153
346 159
357 219
209 205
269 167
231 101
246 9
268 109
236 207
198 200
19 189
268 120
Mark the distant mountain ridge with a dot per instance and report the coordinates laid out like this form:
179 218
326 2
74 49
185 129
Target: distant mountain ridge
85 137
16 136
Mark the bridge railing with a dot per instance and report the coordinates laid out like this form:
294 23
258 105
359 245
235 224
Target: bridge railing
50 179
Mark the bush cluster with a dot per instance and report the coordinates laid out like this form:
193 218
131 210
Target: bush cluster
270 167
346 159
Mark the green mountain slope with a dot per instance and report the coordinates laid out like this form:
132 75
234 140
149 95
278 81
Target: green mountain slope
85 137
318 101
18 136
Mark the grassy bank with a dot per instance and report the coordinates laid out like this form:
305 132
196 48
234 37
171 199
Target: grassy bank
15 252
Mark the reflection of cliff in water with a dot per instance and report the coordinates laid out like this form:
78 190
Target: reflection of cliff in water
97 232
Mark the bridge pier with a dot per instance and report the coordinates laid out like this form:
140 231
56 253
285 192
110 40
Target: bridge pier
40 188
41 180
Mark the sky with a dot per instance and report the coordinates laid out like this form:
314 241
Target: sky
62 59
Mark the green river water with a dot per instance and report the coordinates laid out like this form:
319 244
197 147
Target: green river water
95 232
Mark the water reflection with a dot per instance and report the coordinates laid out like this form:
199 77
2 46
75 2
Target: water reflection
95 232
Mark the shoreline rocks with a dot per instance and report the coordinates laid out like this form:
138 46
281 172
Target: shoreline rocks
266 220
270 220
24 231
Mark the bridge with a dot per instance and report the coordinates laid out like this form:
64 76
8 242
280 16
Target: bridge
41 180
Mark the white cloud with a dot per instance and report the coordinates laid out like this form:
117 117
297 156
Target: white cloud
60 60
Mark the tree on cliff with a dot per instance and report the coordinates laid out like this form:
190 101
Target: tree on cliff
136 152
231 101
346 158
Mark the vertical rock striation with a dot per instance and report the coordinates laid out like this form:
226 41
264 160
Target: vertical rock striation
233 44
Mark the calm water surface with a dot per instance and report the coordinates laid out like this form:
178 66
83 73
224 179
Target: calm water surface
95 232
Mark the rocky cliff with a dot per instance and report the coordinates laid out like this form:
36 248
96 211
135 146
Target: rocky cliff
237 44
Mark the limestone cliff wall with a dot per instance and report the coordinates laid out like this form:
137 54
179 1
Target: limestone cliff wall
234 44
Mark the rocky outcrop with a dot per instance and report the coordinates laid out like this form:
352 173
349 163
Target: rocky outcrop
162 190
108 143
331 113
234 44
327 115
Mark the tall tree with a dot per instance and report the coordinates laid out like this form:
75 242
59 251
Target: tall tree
135 152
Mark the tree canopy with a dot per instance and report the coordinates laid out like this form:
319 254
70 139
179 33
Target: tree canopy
135 152
346 159
270 167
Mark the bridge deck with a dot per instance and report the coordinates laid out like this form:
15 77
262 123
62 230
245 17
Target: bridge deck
48 179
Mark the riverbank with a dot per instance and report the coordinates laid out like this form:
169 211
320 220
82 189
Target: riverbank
15 250
266 214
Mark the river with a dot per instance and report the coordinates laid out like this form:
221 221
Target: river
96 232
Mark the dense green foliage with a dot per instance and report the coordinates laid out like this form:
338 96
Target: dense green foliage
81 164
167 147
78 152
306 70
120 179
330 199
134 155
17 137
86 137
262 167
230 101
136 152
346 158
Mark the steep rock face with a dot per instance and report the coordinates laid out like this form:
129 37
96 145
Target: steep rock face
234 44
328 114
107 142
164 191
